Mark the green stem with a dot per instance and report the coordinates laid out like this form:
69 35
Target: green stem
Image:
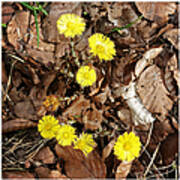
128 25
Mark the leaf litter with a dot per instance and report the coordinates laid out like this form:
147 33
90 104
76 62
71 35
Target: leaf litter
136 91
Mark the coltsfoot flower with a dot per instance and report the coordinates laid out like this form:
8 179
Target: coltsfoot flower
127 147
85 143
102 47
48 126
86 76
51 103
70 25
66 135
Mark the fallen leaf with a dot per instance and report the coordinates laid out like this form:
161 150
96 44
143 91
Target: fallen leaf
152 91
121 13
42 172
77 107
7 12
25 109
169 149
172 36
156 11
108 149
123 170
17 29
17 175
79 166
45 155
17 124
92 118
54 174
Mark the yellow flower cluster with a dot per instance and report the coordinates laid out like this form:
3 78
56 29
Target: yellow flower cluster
127 147
65 134
51 103
70 25
86 76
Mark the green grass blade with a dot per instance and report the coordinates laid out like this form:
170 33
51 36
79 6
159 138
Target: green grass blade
27 5
37 28
3 25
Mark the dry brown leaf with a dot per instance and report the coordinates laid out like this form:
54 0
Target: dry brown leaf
156 11
177 77
25 109
169 148
42 172
152 91
17 124
120 14
45 58
79 166
77 107
125 116
54 174
17 175
45 155
108 149
17 29
86 112
172 36
92 118
123 170
7 11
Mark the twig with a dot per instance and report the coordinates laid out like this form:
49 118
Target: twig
148 139
9 80
152 160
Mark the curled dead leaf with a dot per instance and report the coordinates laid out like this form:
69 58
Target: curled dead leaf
17 124
156 11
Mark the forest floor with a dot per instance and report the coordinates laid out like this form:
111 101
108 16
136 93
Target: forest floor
136 91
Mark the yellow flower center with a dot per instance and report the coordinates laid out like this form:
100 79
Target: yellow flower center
86 75
70 25
100 48
48 126
66 135
127 146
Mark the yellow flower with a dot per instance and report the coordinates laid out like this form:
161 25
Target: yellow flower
51 103
86 76
85 143
48 126
66 135
102 47
70 25
127 147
